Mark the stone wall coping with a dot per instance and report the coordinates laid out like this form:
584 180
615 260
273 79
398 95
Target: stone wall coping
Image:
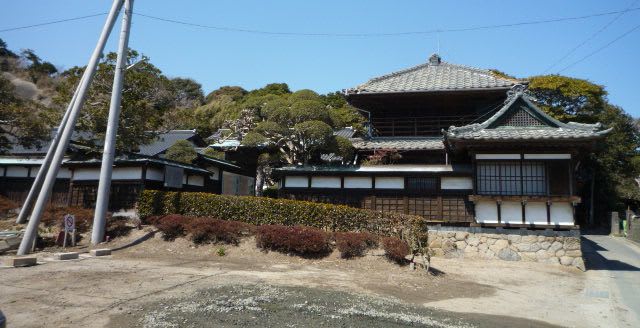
502 231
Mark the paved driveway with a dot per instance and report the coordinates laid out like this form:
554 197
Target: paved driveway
614 266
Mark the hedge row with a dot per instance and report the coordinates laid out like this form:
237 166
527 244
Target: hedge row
262 210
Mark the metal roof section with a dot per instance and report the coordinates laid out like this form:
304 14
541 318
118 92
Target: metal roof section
398 143
435 76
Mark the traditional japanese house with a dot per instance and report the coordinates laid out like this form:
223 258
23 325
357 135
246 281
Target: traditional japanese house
457 145
78 177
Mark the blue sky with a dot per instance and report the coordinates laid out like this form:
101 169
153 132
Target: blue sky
325 64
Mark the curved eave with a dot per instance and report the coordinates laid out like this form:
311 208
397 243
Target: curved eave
354 92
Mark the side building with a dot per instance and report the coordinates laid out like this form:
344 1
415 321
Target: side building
458 146
78 177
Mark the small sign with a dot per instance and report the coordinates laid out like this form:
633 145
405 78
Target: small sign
69 223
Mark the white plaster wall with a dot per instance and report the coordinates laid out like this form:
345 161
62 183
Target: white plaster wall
17 171
196 180
536 213
357 182
497 156
294 181
486 211
511 212
547 156
155 174
456 183
562 214
119 173
325 182
86 174
389 183
63 172
126 173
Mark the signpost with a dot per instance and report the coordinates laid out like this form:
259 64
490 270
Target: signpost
69 228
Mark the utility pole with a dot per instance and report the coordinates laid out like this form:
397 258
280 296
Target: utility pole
65 137
46 163
104 186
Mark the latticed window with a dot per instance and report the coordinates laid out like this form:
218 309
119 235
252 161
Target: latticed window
422 184
511 178
522 118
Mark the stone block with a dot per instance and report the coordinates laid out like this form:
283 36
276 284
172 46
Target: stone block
514 238
22 261
65 256
541 238
461 244
615 224
473 241
575 253
542 254
461 235
436 243
555 247
100 252
552 260
529 239
578 262
545 245
572 243
471 249
528 256
566 260
508 254
483 247
499 244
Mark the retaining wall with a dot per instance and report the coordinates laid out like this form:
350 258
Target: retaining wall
548 246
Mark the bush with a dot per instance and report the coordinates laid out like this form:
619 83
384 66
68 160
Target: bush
54 217
268 211
305 241
206 230
117 227
351 244
172 226
7 205
395 249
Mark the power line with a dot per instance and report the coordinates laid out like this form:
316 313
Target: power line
599 49
464 29
615 19
284 33
51 23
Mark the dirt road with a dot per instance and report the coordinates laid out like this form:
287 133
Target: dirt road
161 284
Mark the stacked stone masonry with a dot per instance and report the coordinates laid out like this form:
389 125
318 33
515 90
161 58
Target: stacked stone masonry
548 246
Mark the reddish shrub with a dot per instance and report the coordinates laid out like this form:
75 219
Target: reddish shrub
205 230
351 244
172 226
395 249
54 217
300 240
7 205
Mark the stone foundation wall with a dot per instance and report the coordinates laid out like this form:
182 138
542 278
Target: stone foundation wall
548 246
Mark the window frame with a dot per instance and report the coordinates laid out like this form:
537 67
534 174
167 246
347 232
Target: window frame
523 188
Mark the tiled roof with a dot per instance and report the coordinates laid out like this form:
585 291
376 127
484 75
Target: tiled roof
549 128
435 75
164 141
399 143
393 168
347 132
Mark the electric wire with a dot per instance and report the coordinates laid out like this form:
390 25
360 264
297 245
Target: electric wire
388 34
591 37
600 49
51 22
447 30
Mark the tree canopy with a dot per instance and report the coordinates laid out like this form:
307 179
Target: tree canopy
181 151
615 163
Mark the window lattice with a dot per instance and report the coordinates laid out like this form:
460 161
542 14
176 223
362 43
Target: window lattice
522 118
426 207
423 184
390 204
512 178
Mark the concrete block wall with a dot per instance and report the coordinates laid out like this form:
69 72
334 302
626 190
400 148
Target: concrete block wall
548 246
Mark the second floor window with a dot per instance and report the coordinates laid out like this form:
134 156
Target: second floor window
511 178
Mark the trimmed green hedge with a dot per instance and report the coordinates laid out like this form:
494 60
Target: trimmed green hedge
262 210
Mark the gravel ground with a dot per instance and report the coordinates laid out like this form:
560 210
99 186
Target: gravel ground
273 306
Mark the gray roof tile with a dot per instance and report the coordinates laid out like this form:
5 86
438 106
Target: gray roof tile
399 143
435 75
